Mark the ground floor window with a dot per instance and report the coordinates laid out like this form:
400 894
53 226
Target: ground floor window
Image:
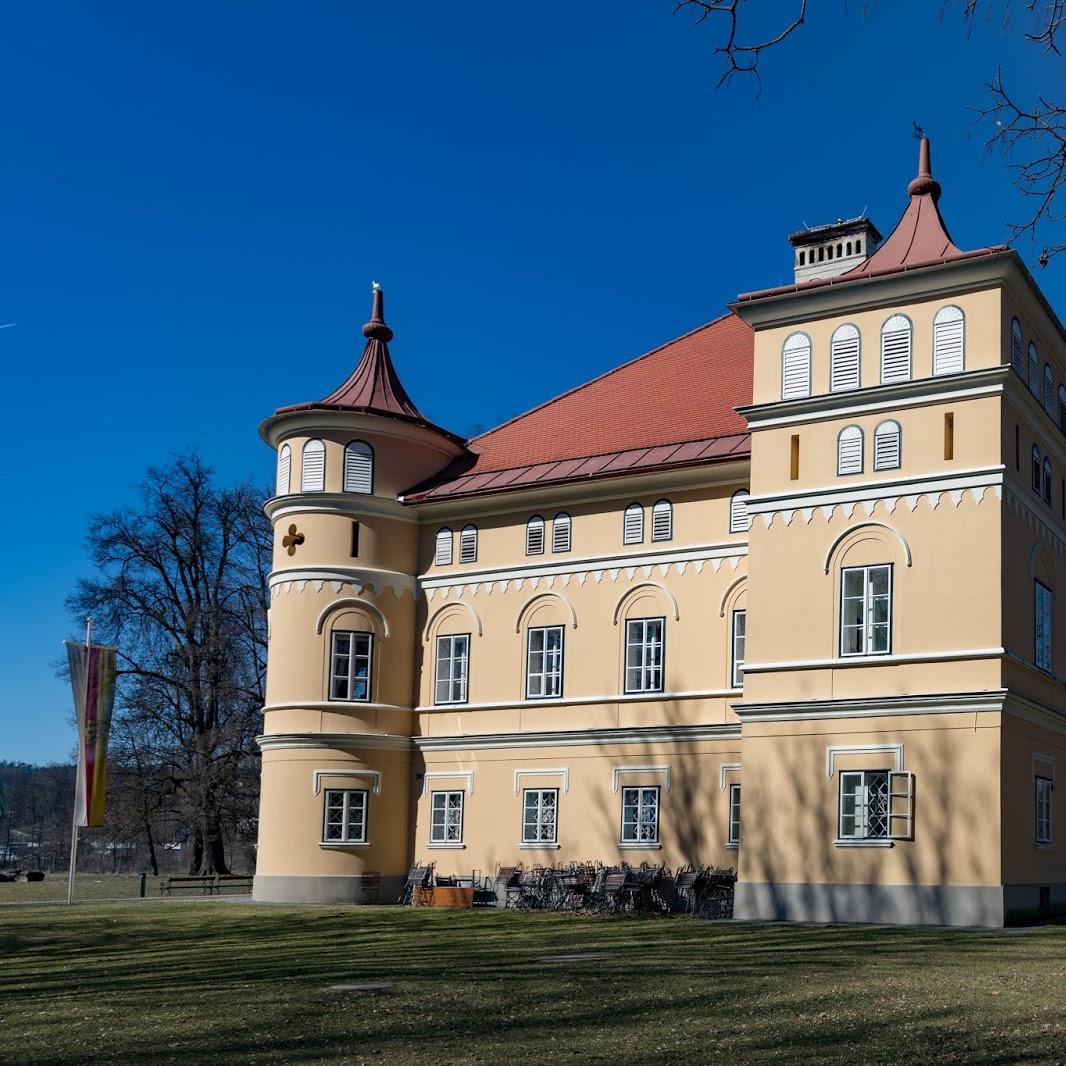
876 805
345 817
640 815
446 821
540 816
1043 810
733 836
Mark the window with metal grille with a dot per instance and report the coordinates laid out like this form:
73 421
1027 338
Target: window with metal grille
876 805
949 341
446 818
887 446
1043 790
358 467
633 525
866 610
662 521
739 636
644 655
452 669
733 833
796 367
739 519
896 338
561 532
351 660
345 819
313 467
535 536
468 544
640 815
1042 626
1034 370
443 554
1037 470
284 470
845 359
849 450
544 663
540 816
1017 356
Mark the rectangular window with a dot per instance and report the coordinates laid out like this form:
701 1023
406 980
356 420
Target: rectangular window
740 626
453 662
794 458
345 817
949 436
864 805
350 664
540 816
544 663
866 610
1042 626
640 815
446 818
644 655
1043 810
734 815
355 540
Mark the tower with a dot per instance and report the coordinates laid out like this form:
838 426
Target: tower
335 804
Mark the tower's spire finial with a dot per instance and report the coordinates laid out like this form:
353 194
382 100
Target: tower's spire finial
376 329
924 184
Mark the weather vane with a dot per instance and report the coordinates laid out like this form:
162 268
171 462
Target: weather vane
919 133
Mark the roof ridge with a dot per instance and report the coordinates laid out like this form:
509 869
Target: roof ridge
601 377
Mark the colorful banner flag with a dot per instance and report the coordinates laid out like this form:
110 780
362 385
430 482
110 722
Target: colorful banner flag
92 680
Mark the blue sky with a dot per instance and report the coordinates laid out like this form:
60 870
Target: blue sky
195 198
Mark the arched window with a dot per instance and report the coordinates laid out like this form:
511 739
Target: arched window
284 470
535 536
662 521
1062 408
887 446
949 340
1037 471
1034 370
1049 392
561 532
849 247
739 519
313 467
443 554
844 355
468 544
1047 481
858 247
803 256
796 367
1017 358
359 467
849 450
633 525
896 350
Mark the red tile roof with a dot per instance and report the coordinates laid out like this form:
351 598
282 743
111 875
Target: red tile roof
672 407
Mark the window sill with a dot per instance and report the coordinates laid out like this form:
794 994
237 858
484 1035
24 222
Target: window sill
447 847
732 847
529 846
639 845
1048 846
344 843
863 843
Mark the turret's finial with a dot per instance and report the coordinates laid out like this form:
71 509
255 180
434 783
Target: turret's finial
924 184
376 329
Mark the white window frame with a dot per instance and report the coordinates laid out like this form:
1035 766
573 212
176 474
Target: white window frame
643 649
1043 788
1036 471
662 521
1043 613
885 457
796 367
562 530
549 677
736 672
458 668
446 830
646 796
1046 480
845 359
633 524
949 340
284 477
358 468
851 459
443 546
1017 348
533 831
347 796
535 535
739 519
897 340
868 610
733 823
316 448
468 544
898 814
353 658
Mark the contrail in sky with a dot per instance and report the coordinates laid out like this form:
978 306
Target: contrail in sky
8 325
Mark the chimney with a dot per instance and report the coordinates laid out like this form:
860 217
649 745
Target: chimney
834 249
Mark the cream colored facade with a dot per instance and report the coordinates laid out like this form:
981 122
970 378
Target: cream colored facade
951 713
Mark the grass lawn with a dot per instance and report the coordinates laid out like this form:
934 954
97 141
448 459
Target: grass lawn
86 887
231 982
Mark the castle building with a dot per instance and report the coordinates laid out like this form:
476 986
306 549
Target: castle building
783 595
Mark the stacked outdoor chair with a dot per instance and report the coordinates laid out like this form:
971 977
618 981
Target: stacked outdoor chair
418 876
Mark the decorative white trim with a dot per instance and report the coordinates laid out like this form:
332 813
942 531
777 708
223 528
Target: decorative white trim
646 585
322 741
337 706
664 771
729 592
443 607
895 750
868 525
344 843
577 701
727 768
346 604
1035 514
873 707
528 605
562 772
373 775
581 737
452 845
349 504
868 842
638 845
338 577
528 846
1047 760
876 660
440 775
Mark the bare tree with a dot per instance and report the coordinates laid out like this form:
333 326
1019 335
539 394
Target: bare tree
1030 136
182 593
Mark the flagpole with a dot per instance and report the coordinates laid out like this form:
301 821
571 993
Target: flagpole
78 783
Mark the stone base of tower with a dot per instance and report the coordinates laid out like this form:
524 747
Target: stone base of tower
272 888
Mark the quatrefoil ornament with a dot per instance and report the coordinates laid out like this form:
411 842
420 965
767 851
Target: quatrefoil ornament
291 539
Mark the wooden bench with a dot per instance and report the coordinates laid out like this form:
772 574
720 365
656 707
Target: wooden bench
212 884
